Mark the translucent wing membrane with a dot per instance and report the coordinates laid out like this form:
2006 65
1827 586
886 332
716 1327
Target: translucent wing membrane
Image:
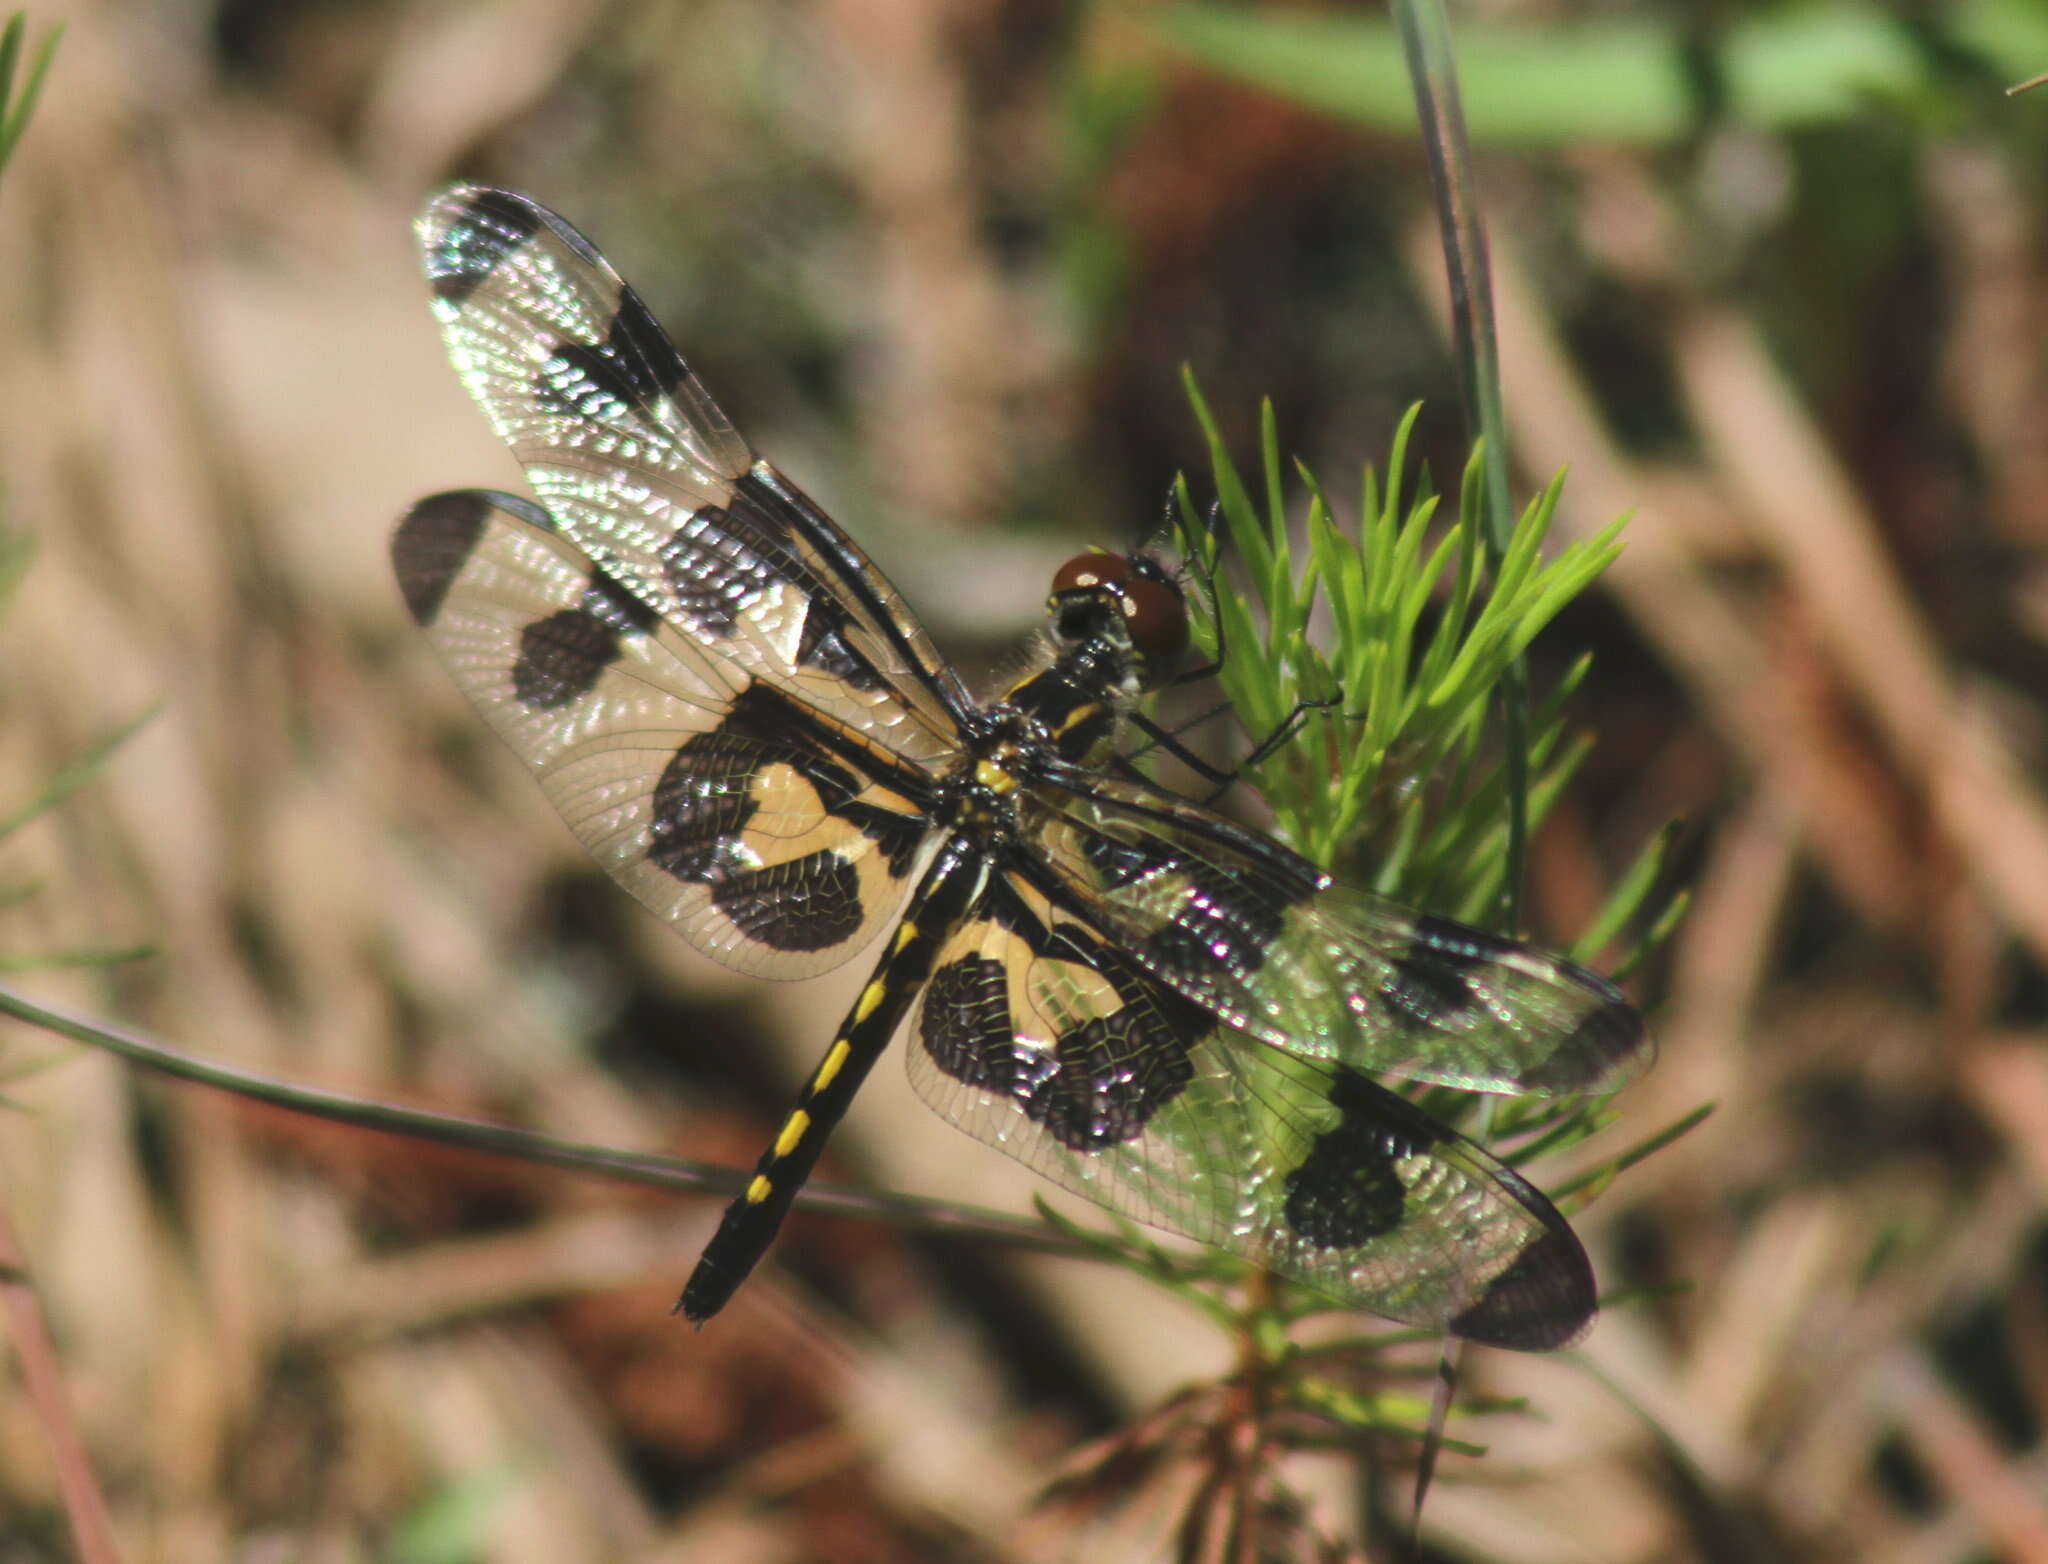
773 840
1039 1037
641 470
1247 930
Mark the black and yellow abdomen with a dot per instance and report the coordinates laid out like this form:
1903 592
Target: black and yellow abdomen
750 1222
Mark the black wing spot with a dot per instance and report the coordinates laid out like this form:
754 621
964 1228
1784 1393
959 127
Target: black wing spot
634 367
1217 921
762 517
612 602
1098 1085
431 546
1432 985
701 808
1610 1034
723 559
823 645
1543 1301
810 903
585 382
1428 982
764 520
714 576
561 658
491 226
1348 1189
638 342
898 836
701 805
703 796
966 1029
1118 1070
1119 864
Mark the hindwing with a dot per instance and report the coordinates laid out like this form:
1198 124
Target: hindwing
774 840
1038 1036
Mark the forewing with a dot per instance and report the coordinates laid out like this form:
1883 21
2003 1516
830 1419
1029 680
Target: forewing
774 841
1039 1037
1252 933
642 471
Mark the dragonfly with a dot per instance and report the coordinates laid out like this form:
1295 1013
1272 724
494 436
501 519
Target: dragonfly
1146 1002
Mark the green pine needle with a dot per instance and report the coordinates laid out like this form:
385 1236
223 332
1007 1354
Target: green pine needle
16 107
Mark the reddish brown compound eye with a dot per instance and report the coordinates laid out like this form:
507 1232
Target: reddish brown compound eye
1090 570
1157 615
1151 604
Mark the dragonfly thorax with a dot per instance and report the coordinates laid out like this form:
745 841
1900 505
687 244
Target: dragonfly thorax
1075 707
981 792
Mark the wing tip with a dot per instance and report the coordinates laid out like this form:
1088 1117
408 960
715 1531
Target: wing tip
468 231
1543 1301
1609 1046
432 543
434 540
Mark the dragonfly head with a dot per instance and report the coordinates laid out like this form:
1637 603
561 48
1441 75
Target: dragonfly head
1129 599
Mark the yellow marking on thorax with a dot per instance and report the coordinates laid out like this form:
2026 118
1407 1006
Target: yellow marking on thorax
794 1131
994 777
759 1190
830 1067
1079 715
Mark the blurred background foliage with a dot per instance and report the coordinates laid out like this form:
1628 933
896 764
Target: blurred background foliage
1771 275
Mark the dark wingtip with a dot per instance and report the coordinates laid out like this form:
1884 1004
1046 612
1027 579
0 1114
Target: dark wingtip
484 227
431 545
1543 1301
1607 1047
1611 1036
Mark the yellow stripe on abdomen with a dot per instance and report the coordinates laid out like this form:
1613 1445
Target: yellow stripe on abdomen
794 1129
